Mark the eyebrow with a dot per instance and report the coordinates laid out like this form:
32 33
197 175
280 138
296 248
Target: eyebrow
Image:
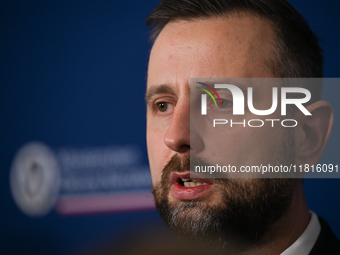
234 82
158 90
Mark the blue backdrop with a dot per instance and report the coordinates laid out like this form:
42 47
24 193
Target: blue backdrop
72 73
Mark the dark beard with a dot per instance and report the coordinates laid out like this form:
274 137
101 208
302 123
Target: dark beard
248 209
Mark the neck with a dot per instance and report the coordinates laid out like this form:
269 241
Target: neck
287 229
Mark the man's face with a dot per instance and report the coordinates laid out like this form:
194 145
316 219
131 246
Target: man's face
234 47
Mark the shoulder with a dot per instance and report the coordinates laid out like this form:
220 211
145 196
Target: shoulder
327 242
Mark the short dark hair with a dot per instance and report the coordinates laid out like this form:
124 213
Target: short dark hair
298 53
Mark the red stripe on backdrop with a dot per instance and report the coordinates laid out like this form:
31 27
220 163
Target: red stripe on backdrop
77 205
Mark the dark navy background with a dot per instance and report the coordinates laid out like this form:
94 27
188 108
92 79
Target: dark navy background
72 73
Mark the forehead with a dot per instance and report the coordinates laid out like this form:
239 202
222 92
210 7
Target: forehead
236 46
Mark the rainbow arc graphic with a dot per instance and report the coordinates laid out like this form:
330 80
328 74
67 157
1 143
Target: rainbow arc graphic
209 93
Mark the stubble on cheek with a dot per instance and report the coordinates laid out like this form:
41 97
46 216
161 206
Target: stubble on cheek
161 190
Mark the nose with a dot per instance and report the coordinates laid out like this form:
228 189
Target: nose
177 136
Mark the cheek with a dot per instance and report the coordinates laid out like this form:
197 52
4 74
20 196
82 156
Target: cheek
227 147
158 153
243 146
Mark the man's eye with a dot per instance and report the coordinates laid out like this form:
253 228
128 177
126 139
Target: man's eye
225 103
162 106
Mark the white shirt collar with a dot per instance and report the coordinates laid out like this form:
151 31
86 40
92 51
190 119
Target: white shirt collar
304 244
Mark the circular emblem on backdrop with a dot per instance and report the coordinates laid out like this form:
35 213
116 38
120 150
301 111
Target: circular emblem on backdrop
35 179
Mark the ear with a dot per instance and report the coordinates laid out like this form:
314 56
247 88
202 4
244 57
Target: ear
313 132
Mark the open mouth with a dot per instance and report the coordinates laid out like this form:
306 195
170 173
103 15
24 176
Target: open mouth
190 182
185 187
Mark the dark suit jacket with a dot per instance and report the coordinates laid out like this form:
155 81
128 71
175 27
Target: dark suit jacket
327 242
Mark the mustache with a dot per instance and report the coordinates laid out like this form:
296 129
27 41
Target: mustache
187 163
176 164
